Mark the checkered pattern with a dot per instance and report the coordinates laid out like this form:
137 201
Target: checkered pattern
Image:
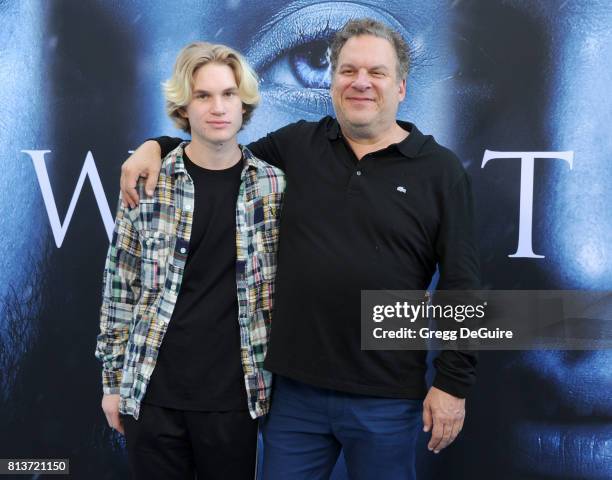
144 270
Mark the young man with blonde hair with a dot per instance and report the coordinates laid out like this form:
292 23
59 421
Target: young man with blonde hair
188 286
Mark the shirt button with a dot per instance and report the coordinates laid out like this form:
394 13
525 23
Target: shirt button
183 250
358 172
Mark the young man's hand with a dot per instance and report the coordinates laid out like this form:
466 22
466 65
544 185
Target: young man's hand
110 406
144 162
445 413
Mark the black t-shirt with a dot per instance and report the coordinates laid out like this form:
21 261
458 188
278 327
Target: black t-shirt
382 222
199 367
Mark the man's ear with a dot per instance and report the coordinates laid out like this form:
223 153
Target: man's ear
402 90
183 113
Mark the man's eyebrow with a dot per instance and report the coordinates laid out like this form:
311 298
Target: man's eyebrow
375 67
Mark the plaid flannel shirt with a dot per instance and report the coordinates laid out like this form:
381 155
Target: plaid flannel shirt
144 270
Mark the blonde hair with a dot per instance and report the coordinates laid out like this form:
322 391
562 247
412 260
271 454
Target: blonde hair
178 89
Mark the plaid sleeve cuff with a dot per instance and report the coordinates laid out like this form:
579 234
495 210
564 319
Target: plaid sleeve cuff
111 381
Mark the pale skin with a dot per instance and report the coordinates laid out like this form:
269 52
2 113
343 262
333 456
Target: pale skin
110 407
443 415
366 93
215 117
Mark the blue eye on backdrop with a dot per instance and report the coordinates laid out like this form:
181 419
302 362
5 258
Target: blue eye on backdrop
311 64
292 57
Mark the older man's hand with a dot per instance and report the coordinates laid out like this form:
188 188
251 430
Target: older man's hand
144 162
445 414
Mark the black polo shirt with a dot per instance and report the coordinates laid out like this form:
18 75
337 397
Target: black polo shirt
382 222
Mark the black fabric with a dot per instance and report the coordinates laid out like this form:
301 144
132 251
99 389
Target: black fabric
199 367
168 444
382 222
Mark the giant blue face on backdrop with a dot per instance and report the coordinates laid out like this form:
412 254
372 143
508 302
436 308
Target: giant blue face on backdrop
506 76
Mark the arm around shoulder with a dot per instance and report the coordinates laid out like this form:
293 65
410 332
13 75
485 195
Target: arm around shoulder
144 162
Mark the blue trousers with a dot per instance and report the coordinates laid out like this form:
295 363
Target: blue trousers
308 426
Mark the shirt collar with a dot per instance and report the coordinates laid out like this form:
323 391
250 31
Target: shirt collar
173 163
409 147
250 160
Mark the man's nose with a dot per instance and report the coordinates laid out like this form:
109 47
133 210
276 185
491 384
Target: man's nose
362 81
218 106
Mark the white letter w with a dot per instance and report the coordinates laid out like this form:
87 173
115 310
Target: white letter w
89 169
